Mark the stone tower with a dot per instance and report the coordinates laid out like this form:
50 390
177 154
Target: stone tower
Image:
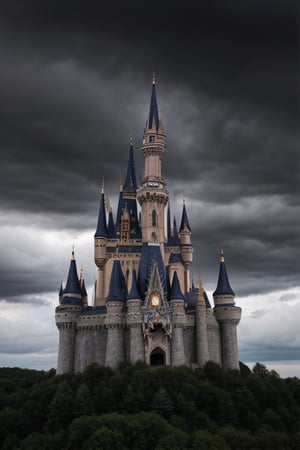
145 307
228 316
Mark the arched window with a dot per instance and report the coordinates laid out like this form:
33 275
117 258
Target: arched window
154 218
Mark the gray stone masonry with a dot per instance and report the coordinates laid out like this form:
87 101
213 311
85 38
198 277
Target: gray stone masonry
201 334
177 339
115 347
228 319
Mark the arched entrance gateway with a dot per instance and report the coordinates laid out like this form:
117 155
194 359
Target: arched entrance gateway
157 357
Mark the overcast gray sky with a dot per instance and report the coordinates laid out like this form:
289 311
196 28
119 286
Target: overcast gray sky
75 81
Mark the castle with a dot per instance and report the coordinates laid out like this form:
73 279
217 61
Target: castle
145 307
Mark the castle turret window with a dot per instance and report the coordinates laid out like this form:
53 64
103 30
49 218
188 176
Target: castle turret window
154 218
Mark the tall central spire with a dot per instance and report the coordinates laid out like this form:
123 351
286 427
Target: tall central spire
152 193
153 112
130 184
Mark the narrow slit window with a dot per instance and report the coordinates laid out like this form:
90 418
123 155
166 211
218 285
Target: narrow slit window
154 218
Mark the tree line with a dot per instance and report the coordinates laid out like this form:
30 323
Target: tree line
137 407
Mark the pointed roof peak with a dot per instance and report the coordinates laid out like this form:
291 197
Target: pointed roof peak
117 283
130 184
73 283
134 291
153 112
73 253
176 293
111 226
184 218
102 225
223 286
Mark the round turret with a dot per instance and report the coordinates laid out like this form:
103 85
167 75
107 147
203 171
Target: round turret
186 251
228 316
186 248
100 243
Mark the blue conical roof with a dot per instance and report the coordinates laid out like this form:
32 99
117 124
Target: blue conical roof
223 287
130 184
153 113
184 219
117 283
73 284
111 227
172 237
101 225
175 238
83 288
134 292
176 293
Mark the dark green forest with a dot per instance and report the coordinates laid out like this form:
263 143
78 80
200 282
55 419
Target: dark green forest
137 407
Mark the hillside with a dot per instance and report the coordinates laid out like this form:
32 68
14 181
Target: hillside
136 407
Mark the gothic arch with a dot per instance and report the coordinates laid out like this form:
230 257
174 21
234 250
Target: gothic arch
157 357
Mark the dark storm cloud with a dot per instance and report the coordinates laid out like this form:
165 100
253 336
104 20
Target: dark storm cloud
75 82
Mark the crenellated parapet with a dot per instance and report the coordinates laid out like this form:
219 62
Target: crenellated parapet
229 315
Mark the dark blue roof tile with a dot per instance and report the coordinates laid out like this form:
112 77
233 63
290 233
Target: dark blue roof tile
176 293
117 289
184 219
111 227
101 225
134 292
223 287
153 113
83 289
72 284
130 184
71 301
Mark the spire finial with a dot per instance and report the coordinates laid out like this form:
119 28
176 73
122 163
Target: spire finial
73 253
222 259
153 76
130 138
183 200
102 185
81 273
